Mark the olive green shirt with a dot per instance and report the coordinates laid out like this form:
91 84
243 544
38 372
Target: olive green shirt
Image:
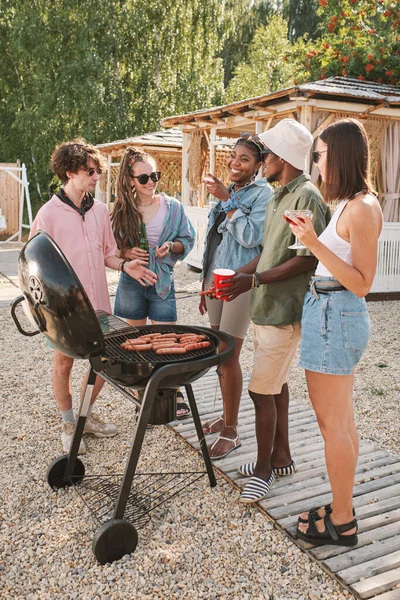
281 303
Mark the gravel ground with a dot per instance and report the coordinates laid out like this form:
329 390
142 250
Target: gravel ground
201 544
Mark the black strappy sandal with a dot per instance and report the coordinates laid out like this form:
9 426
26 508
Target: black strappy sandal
181 405
332 536
314 516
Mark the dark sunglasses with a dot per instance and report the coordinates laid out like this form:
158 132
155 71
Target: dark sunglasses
317 155
143 179
91 172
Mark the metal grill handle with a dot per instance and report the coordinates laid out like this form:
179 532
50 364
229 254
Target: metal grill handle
14 305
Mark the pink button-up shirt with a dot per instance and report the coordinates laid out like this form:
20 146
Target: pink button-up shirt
86 244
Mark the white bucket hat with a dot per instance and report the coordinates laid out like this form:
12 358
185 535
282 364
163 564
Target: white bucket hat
289 140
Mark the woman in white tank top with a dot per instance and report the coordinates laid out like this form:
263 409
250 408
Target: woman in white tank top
335 324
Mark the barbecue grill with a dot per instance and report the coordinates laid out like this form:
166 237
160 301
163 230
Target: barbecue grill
57 303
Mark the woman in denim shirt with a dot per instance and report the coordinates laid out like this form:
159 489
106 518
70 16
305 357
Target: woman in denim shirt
234 235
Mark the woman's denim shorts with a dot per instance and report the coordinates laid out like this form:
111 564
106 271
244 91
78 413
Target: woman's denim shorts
335 329
136 302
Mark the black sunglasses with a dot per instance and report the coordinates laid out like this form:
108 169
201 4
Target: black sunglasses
91 172
143 179
316 155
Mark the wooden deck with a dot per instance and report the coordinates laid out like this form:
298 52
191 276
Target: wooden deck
372 568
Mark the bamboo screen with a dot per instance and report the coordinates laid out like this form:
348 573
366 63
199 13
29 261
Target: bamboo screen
375 128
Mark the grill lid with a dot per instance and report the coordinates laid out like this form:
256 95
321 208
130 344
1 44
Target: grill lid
58 303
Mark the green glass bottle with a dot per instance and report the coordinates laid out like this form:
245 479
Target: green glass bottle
143 242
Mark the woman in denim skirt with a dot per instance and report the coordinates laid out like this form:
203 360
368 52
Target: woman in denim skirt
234 236
153 227
335 323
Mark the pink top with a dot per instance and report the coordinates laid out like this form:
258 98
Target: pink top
155 227
85 243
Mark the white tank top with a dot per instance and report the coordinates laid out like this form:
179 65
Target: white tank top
332 240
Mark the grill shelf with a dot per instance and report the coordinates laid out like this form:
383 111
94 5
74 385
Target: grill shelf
149 491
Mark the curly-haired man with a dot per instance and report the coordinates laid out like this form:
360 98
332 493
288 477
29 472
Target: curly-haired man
81 227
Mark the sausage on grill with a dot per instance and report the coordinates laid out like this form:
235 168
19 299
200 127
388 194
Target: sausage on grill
176 350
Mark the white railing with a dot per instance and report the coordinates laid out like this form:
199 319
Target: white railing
198 218
387 278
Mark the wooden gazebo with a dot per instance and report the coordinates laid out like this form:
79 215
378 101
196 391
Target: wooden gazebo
315 105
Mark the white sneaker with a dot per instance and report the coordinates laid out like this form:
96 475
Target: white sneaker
67 434
97 427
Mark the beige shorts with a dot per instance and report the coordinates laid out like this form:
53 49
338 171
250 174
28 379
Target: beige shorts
231 317
274 350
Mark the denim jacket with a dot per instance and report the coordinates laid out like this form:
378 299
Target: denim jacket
242 234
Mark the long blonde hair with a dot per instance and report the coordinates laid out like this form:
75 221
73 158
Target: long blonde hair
126 217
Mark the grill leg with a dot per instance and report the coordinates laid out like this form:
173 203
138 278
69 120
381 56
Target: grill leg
82 415
138 437
200 435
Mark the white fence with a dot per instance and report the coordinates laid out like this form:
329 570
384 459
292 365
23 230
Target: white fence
199 219
387 278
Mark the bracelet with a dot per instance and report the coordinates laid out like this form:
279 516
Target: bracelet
170 246
121 266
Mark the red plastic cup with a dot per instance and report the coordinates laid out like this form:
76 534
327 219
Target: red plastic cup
219 277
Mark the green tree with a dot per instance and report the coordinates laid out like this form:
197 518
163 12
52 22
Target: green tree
359 38
270 63
102 69
243 17
302 17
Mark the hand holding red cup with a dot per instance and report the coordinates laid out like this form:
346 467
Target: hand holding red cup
221 277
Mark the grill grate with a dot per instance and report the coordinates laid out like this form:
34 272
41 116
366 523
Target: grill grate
148 492
114 351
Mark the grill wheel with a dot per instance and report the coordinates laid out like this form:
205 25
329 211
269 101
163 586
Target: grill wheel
115 539
56 471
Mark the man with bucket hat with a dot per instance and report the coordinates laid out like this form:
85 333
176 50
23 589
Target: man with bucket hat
278 278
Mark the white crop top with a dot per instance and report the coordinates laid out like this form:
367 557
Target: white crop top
332 240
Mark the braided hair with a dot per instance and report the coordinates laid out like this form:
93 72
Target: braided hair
126 217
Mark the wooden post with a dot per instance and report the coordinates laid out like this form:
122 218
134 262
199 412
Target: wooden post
28 199
213 143
306 120
108 189
185 187
259 129
21 208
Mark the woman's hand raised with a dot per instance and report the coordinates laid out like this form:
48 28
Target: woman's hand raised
216 187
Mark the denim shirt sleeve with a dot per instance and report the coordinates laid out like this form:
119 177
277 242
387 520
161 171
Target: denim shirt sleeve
177 228
246 225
